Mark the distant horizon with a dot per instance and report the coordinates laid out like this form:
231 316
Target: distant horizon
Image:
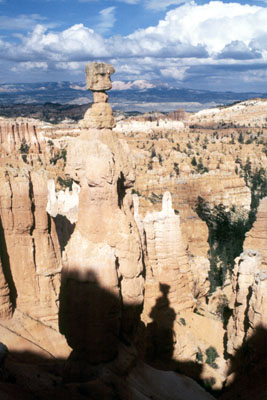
159 85
200 44
134 98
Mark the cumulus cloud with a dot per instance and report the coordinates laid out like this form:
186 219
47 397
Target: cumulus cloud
238 50
189 31
74 44
211 25
190 42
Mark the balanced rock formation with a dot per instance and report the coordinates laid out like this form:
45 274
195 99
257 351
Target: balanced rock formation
102 289
99 116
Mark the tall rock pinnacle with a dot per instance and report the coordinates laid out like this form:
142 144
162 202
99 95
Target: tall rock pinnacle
99 116
103 283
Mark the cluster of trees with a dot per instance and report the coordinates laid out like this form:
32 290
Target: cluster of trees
199 166
227 228
226 237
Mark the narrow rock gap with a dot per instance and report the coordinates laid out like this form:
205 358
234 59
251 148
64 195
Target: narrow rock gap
121 189
117 264
31 195
48 223
246 319
34 259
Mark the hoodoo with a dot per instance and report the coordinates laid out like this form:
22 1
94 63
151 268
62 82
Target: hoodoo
102 287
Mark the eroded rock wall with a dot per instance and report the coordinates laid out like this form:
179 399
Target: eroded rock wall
29 244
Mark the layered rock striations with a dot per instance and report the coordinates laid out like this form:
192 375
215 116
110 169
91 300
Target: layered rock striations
13 133
31 265
30 244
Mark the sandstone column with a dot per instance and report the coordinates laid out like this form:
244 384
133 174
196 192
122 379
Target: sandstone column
103 283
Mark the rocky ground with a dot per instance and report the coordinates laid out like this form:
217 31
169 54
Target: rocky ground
133 259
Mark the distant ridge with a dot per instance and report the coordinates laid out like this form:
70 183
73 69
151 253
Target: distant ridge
145 99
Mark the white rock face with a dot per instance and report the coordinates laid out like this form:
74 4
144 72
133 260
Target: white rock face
65 203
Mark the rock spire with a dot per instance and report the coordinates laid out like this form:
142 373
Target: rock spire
103 283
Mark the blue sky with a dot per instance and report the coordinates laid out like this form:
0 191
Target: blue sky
215 45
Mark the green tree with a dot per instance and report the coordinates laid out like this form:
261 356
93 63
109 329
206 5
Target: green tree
211 355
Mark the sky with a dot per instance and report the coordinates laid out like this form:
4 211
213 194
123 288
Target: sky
213 45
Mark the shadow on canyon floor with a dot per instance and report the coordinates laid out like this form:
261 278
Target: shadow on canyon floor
160 339
249 369
4 257
96 326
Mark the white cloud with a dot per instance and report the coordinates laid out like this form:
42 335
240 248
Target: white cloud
190 43
74 44
27 66
163 4
177 73
211 25
107 20
189 31
238 50
73 66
